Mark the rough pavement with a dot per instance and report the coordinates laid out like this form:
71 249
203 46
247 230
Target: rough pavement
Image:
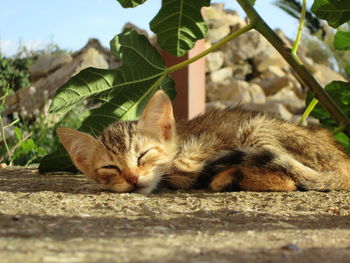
66 218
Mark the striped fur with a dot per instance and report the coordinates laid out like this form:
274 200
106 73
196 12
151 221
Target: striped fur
222 149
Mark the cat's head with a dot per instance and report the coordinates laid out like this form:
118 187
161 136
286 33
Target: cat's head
127 156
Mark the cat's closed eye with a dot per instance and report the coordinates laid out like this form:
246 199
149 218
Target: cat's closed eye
111 167
146 155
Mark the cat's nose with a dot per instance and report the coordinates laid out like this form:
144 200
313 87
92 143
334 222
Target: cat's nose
131 179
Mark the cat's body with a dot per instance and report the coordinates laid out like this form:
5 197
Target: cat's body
222 150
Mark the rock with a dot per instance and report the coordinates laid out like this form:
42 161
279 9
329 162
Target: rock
136 28
47 63
218 33
222 76
239 92
325 75
269 57
241 70
273 71
289 99
220 22
92 58
86 57
216 105
214 61
296 86
270 107
273 85
246 46
256 93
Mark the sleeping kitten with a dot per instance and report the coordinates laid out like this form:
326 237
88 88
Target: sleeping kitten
223 150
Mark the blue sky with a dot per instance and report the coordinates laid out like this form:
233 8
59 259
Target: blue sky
70 23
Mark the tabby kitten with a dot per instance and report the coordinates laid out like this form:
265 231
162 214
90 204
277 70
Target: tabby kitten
223 150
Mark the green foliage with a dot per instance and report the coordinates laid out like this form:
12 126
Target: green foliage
342 40
340 93
123 91
335 12
14 73
252 2
14 70
33 140
347 69
179 24
131 3
26 142
343 140
142 67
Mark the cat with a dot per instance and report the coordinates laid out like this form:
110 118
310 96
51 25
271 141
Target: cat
230 149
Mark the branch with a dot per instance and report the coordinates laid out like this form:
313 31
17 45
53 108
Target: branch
304 75
211 49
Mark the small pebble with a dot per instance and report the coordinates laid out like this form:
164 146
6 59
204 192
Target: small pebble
291 247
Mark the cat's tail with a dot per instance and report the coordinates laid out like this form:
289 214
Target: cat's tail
270 161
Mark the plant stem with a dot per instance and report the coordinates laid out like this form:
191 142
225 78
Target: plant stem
212 48
12 150
303 74
4 136
314 101
2 126
300 30
308 110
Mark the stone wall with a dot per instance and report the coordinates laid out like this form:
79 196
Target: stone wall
248 71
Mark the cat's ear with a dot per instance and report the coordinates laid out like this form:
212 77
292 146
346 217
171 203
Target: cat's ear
158 116
80 146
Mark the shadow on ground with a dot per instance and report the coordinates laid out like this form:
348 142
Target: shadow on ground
65 218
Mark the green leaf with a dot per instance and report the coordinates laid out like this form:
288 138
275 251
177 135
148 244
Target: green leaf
23 148
126 91
343 140
179 24
141 62
18 133
132 105
252 2
130 3
342 40
336 12
347 70
27 146
57 161
340 93
125 105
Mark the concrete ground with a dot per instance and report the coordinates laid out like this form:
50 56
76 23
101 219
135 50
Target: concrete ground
65 218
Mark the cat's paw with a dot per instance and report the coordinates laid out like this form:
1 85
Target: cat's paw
225 180
181 180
